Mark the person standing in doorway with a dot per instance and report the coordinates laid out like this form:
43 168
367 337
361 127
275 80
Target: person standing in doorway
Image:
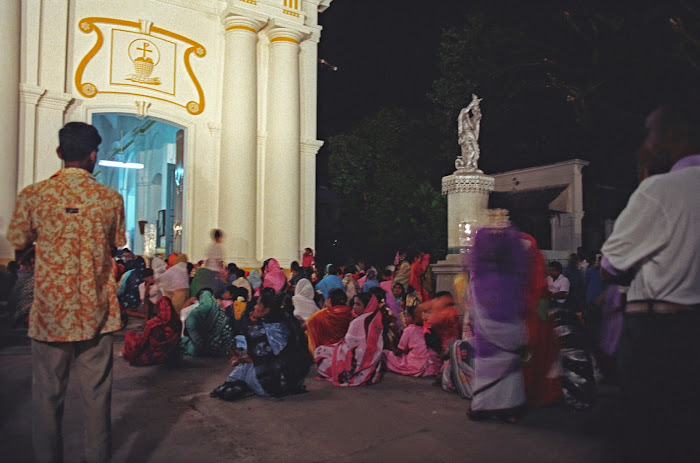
76 224
215 253
656 239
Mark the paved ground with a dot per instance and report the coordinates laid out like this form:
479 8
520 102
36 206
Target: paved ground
166 415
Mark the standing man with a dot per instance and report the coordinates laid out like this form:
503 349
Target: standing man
657 239
76 223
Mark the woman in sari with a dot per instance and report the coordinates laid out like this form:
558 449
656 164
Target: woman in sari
370 280
159 266
499 280
273 276
160 340
350 284
392 332
208 277
303 300
270 358
418 267
542 385
330 324
356 359
128 293
255 279
207 332
175 282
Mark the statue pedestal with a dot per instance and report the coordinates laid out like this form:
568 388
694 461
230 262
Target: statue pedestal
467 205
445 272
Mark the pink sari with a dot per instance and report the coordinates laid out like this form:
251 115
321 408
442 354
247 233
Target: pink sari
355 360
274 276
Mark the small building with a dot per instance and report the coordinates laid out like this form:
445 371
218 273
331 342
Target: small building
546 202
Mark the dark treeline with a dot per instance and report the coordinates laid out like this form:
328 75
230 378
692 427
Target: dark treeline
559 80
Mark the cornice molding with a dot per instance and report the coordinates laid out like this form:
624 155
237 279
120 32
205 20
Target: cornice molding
55 100
467 183
29 93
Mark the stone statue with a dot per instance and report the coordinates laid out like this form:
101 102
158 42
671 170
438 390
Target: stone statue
468 125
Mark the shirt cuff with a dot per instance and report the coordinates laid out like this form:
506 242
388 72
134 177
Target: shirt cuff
608 267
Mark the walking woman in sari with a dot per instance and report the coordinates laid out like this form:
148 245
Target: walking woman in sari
355 360
160 340
207 332
541 375
499 279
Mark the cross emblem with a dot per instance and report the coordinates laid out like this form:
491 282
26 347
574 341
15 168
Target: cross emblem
144 49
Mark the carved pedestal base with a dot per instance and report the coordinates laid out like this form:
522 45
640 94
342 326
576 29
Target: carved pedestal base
467 203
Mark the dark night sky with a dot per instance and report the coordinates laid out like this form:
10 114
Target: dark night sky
386 55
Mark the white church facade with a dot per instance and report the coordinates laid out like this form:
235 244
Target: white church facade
207 110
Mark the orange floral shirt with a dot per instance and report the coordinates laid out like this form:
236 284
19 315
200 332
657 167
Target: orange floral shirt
75 222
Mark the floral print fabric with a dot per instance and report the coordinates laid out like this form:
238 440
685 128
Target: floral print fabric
76 222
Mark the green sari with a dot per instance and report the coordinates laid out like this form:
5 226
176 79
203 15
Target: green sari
207 330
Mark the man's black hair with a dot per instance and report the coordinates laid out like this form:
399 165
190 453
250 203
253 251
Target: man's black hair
556 264
77 140
295 266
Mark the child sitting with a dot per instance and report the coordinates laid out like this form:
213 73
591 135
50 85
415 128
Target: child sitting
417 354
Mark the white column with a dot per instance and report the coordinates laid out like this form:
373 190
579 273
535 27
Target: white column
49 120
238 159
282 157
9 116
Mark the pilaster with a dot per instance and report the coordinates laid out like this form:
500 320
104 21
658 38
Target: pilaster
307 204
49 120
29 96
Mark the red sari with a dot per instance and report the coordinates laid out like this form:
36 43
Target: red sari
357 359
418 268
542 386
328 326
160 340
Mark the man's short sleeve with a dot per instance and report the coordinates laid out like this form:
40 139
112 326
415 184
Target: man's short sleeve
20 232
565 284
120 229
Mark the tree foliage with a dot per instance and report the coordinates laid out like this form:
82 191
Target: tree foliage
382 174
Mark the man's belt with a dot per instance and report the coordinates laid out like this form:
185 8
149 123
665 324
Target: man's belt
659 307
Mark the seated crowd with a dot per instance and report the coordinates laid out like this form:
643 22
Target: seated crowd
494 344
